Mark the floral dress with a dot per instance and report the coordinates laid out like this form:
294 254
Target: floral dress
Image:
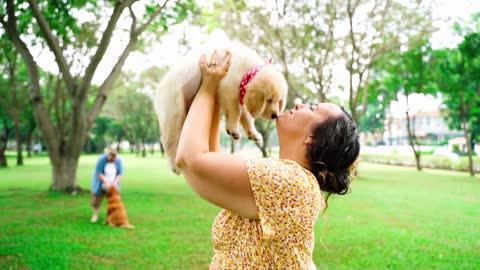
289 201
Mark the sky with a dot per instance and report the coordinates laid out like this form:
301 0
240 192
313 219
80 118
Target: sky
445 13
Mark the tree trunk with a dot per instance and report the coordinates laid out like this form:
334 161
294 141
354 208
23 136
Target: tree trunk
64 169
232 145
3 146
3 158
467 139
18 139
29 144
411 141
417 160
132 147
162 149
263 149
144 149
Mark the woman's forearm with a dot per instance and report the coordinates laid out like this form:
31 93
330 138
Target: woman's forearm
195 135
103 178
215 129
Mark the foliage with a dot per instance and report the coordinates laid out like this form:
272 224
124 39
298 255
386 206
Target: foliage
428 161
377 28
457 72
131 108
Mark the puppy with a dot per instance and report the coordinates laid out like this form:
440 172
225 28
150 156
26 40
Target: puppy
116 213
250 89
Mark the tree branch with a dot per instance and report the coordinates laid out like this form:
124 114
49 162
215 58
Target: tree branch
53 45
106 87
102 46
153 17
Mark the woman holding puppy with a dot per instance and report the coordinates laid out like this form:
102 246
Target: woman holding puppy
270 205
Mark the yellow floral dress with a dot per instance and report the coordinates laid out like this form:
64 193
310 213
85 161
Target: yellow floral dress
289 201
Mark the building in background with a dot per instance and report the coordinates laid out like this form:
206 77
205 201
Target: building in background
428 126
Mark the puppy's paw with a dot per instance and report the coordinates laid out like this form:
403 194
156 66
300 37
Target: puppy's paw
256 137
234 133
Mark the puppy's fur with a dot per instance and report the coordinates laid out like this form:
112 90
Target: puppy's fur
265 94
116 213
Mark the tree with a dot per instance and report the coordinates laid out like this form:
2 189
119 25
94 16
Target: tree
405 74
458 72
379 29
373 121
14 91
132 108
54 25
6 128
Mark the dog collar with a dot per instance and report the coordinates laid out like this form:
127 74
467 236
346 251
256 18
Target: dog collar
248 77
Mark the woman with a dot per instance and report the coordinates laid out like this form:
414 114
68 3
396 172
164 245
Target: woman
108 171
270 205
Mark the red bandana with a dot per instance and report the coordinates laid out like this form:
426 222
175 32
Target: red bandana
249 77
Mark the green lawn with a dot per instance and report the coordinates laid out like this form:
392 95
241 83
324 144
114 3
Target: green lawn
395 218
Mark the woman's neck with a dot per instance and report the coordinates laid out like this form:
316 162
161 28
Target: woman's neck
295 153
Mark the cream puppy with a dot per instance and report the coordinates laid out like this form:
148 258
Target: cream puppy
264 94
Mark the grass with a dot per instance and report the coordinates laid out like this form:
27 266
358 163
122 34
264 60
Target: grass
395 218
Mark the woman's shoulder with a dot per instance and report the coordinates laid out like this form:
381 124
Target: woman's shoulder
274 165
280 171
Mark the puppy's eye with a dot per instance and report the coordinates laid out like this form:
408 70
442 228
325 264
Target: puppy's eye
269 100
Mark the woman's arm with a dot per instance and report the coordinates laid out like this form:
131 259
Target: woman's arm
103 179
219 178
119 165
214 142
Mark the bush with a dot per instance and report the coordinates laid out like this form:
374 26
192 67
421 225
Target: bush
428 161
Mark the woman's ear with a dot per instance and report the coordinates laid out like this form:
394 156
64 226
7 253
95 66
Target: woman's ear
308 140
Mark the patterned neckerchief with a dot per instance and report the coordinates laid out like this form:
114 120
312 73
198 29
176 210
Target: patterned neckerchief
249 77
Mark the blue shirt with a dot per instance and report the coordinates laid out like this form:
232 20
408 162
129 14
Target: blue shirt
100 169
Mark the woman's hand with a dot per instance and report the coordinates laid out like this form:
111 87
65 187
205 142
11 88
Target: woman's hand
214 72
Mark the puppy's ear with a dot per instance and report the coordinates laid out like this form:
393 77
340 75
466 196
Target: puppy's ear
255 98
282 104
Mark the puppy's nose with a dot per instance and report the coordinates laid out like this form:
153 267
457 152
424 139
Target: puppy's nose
274 115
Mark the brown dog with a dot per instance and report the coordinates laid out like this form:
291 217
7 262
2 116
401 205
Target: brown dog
116 213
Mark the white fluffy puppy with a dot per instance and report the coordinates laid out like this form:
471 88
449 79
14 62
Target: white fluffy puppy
251 88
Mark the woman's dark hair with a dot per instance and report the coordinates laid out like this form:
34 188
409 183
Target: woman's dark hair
333 153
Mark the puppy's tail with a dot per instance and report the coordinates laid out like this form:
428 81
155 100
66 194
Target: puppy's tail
128 226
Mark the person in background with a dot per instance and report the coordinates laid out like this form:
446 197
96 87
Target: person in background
108 171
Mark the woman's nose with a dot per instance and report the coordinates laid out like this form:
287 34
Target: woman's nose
298 106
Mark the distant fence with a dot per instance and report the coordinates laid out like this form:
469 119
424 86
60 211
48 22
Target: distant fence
426 161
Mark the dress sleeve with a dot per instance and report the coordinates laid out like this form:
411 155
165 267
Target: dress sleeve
286 200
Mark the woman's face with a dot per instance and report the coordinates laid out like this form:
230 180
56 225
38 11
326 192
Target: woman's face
111 158
299 121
